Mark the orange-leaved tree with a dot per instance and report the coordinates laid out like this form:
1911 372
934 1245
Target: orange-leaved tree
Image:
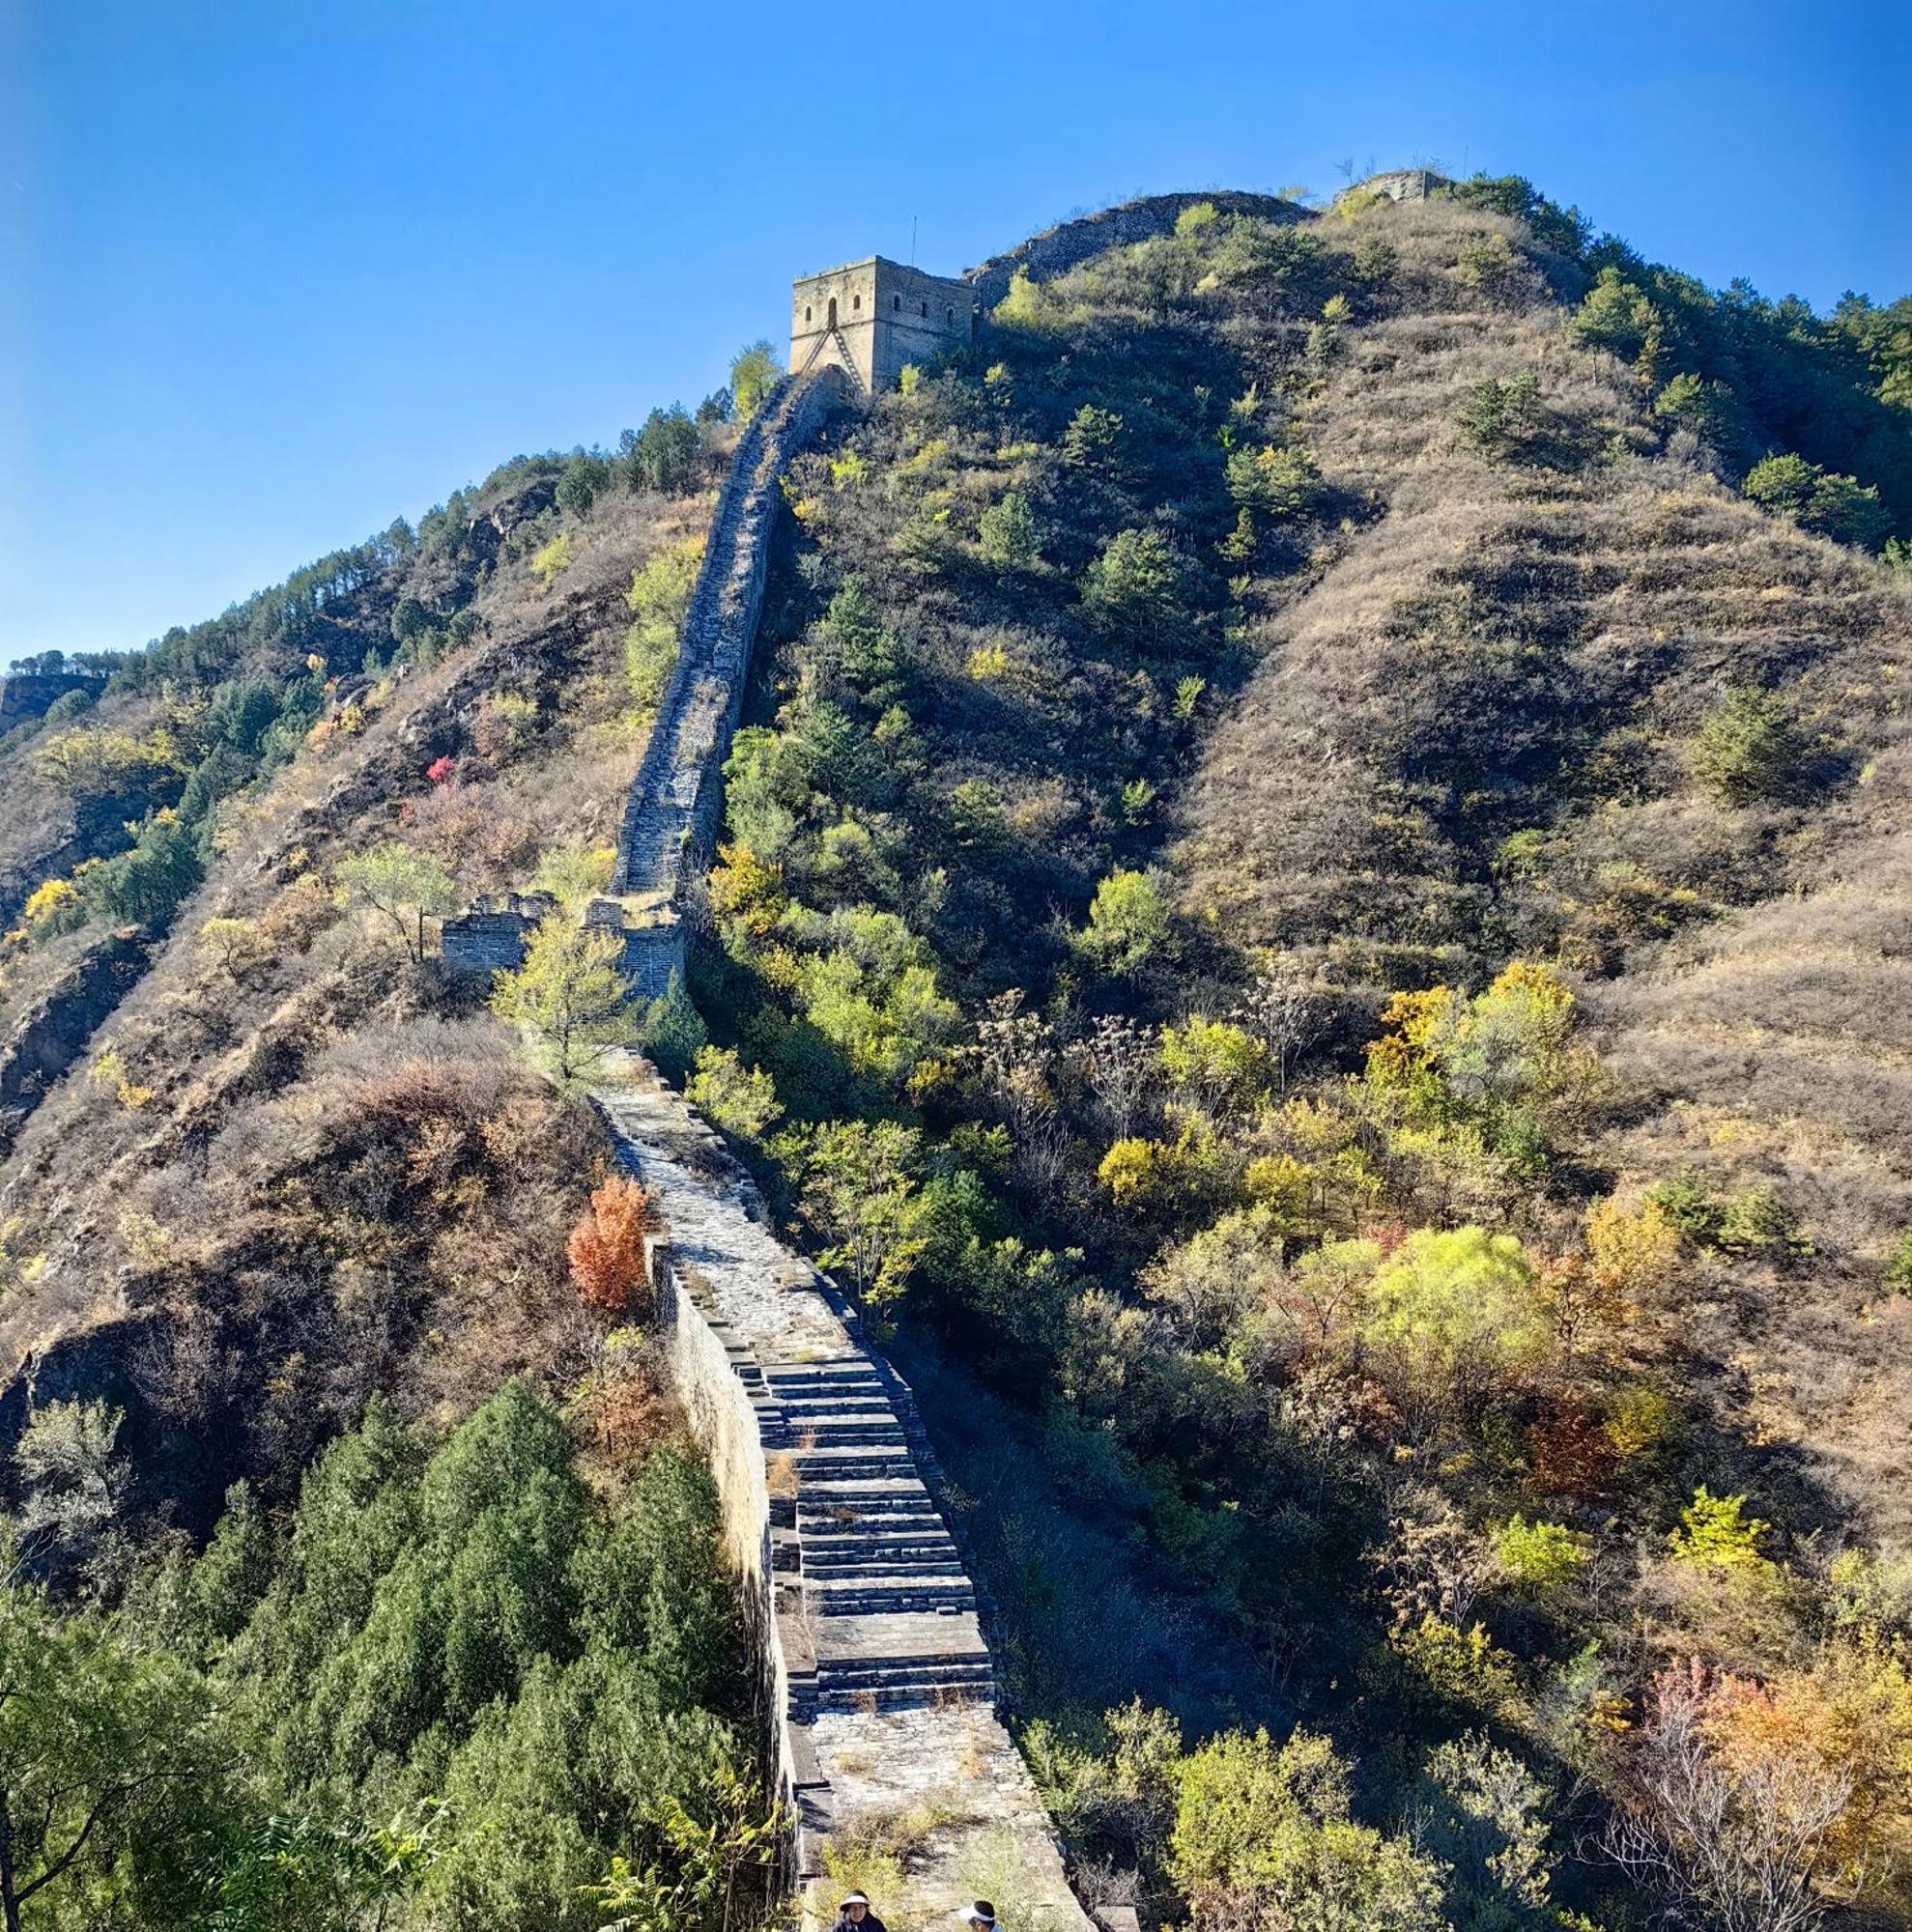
607 1246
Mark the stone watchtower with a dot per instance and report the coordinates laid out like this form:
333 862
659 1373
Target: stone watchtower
870 318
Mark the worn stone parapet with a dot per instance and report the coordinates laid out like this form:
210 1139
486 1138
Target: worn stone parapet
1058 249
490 935
880 1684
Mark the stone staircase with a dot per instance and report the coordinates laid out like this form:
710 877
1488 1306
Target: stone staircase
872 1627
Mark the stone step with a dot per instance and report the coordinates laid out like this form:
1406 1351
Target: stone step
931 1563
901 1697
854 1498
873 1534
867 1464
867 1385
820 1395
840 1543
807 1436
852 1673
857 1596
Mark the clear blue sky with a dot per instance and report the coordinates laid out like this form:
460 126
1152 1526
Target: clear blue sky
273 272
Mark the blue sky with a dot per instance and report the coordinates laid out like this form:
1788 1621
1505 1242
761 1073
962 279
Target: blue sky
272 273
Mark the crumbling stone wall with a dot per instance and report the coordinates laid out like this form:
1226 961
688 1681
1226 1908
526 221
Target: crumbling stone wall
1058 249
491 937
672 817
671 814
879 1685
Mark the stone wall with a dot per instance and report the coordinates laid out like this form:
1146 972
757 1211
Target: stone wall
672 816
1058 249
879 1683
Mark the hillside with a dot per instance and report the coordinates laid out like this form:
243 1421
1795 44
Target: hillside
1311 784
1310 918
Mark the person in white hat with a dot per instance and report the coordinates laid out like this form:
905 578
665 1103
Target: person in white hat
981 1915
854 1915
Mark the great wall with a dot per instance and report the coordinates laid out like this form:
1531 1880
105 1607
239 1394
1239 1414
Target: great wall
879 1686
878 1682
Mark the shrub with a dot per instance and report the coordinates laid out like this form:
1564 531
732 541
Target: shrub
1135 584
1502 419
674 1032
552 559
1835 506
1280 482
1006 533
584 478
753 375
53 908
658 596
741 1100
1458 1309
1716 1533
1708 408
1094 438
1127 924
1485 263
1267 1836
1618 317
1749 750
606 1248
232 945
1539 1555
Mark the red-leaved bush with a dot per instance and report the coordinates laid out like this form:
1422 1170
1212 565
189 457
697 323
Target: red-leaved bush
440 769
606 1246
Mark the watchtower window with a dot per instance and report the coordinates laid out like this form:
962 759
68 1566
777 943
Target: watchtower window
856 301
833 312
896 301
924 309
950 317
806 311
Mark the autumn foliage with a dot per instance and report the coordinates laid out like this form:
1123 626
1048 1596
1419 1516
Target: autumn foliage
607 1246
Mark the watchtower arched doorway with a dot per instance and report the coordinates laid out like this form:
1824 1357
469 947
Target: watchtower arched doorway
832 323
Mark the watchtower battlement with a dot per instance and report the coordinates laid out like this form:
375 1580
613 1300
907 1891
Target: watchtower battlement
872 318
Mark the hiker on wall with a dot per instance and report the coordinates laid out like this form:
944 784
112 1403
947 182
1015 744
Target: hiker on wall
854 1915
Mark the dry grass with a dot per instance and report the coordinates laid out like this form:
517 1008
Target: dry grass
342 1181
1501 648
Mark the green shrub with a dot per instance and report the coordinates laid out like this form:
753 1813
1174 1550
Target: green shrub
1835 506
1539 1555
1749 750
1502 419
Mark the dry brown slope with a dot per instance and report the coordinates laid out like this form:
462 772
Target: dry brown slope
1524 651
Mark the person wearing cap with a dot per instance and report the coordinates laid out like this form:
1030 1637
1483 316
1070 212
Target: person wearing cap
981 1915
854 1915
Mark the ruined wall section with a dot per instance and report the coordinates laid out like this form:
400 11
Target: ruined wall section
672 809
1058 249
878 1682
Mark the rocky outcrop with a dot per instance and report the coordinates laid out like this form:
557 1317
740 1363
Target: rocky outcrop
53 1031
869 1630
